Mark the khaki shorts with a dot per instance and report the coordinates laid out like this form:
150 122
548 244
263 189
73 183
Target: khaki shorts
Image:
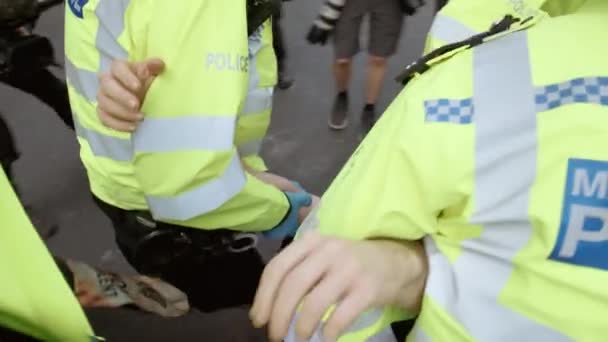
385 19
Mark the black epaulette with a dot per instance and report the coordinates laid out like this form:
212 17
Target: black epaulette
424 64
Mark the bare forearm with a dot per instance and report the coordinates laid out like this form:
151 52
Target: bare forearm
281 183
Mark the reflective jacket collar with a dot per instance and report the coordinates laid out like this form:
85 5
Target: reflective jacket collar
479 15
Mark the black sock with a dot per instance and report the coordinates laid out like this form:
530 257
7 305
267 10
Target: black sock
370 107
343 94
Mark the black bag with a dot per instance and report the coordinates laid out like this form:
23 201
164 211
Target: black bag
410 7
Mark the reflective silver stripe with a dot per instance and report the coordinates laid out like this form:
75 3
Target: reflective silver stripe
185 133
164 135
505 169
365 321
385 335
419 334
110 14
450 30
201 200
104 145
251 148
258 100
85 82
255 45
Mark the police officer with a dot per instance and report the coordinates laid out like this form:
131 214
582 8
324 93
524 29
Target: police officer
37 302
479 203
35 299
182 191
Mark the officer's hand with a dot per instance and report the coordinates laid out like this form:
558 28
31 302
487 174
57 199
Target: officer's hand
279 182
122 92
320 272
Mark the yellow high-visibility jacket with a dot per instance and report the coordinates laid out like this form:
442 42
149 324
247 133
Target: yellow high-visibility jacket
496 157
183 162
34 298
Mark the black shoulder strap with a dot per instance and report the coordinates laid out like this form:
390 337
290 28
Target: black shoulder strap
423 64
258 11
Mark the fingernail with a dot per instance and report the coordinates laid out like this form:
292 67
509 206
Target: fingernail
140 116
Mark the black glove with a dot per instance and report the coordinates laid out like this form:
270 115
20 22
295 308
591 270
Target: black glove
317 35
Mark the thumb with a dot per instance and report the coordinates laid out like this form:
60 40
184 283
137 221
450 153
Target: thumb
152 68
148 68
155 66
147 71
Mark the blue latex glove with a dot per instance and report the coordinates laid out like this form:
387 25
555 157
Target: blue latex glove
289 226
298 185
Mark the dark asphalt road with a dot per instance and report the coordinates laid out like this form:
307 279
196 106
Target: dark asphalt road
299 146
